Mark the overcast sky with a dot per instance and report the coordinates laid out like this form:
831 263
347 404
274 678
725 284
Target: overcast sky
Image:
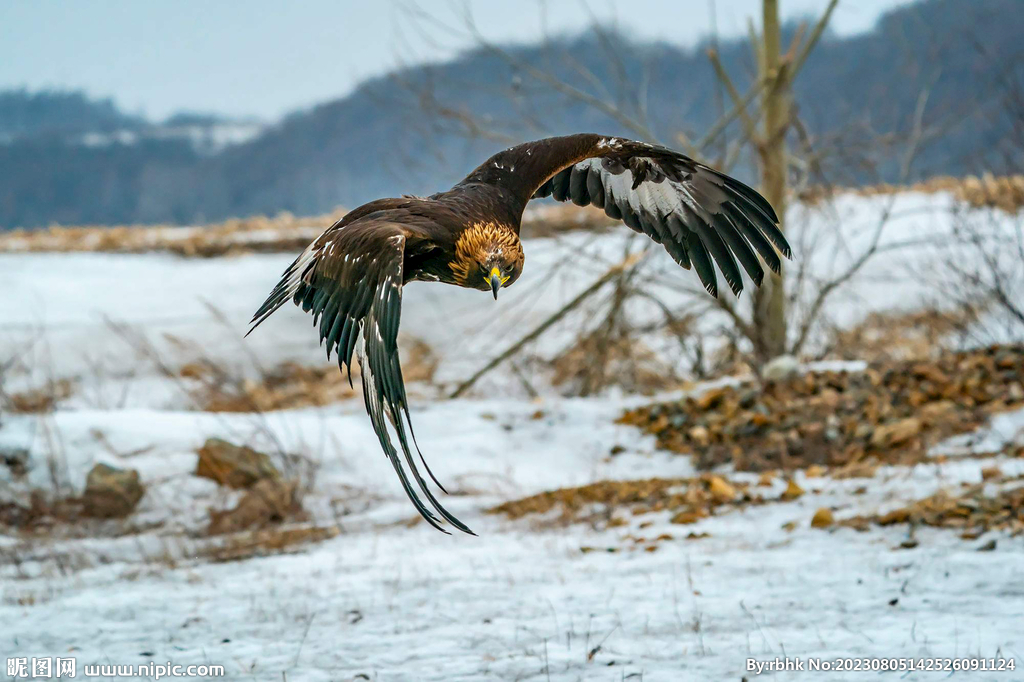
264 58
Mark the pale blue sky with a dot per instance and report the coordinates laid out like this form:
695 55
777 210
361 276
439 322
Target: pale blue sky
268 57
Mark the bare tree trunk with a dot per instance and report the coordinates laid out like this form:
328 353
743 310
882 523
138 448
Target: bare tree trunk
770 299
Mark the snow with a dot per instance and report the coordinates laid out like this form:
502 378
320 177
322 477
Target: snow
391 601
515 603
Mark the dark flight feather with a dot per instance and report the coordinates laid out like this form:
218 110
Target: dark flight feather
351 280
700 216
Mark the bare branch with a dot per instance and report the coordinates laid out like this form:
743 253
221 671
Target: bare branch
749 125
819 29
613 272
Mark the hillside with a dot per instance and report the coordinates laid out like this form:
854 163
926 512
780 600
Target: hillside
388 136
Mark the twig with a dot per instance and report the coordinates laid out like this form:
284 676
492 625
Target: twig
734 95
816 34
612 272
724 121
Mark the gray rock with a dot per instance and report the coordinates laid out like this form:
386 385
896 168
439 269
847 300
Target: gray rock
111 492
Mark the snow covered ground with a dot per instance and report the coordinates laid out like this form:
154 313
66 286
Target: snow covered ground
384 600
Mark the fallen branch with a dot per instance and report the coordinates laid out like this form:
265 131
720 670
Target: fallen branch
612 272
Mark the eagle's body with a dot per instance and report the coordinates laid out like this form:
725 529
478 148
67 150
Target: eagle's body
351 277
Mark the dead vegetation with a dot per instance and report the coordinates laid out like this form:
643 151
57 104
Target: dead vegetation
266 542
550 221
289 385
602 504
38 400
286 386
973 512
269 502
988 191
900 335
890 413
283 233
625 362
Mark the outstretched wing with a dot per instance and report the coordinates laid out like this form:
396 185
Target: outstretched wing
695 212
350 279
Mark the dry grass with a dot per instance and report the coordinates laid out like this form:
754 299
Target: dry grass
258 234
624 361
602 504
1003 192
269 502
899 335
283 232
290 385
267 542
42 399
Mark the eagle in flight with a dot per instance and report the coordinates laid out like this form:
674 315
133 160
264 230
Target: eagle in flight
351 277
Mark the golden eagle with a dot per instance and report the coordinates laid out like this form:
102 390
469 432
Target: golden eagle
351 277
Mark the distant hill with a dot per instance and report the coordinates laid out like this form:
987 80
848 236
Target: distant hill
381 139
26 114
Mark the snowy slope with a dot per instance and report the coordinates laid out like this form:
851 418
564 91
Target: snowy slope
398 603
386 601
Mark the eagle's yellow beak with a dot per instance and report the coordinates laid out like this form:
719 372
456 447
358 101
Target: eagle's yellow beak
495 279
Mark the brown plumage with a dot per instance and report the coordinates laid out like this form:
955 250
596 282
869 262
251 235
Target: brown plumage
351 277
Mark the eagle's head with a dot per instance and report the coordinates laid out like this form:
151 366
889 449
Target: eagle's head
488 256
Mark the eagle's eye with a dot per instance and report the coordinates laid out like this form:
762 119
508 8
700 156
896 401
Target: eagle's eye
503 273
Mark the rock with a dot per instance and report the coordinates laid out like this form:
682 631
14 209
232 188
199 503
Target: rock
823 518
270 500
17 433
896 433
792 491
15 459
938 409
990 473
233 465
720 490
685 517
111 492
781 367
700 435
814 471
712 398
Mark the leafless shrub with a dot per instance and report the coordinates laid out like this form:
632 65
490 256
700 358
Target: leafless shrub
623 361
984 257
784 316
900 335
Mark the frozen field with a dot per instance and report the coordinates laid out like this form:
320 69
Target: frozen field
386 600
